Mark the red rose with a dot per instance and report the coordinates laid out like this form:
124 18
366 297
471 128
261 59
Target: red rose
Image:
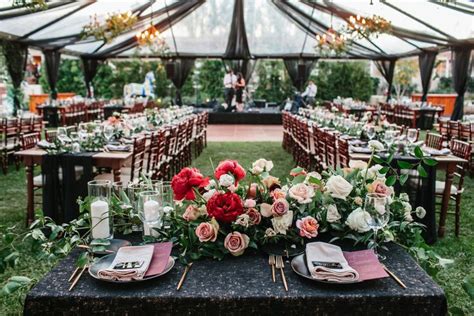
232 167
186 181
225 207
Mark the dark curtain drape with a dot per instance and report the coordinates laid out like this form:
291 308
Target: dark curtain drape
461 70
245 66
237 44
90 67
299 71
426 62
15 58
178 71
387 69
52 59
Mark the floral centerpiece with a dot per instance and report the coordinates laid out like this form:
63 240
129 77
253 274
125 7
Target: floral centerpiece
240 209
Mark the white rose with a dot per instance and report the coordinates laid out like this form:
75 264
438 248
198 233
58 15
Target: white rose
408 217
407 207
302 193
261 165
338 187
332 214
376 145
373 172
357 164
208 194
226 180
243 220
282 223
211 185
270 232
420 212
404 197
357 220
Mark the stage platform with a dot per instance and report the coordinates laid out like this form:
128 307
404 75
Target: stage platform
245 118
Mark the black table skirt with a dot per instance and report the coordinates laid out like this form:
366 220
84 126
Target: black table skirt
245 118
239 286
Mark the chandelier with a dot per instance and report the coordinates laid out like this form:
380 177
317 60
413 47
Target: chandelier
367 26
114 25
332 41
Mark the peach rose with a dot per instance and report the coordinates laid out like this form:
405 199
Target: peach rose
280 207
236 243
252 192
278 194
271 182
301 193
207 231
266 209
191 213
379 187
308 227
254 216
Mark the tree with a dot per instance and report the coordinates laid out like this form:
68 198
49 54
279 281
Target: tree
405 70
70 78
211 74
274 84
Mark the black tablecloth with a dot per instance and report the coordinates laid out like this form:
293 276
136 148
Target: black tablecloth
111 109
245 118
50 115
239 286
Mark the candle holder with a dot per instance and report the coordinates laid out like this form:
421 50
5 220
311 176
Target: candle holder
150 211
101 217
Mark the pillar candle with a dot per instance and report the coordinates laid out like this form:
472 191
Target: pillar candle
100 219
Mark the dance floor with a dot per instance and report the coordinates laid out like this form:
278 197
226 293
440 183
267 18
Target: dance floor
244 133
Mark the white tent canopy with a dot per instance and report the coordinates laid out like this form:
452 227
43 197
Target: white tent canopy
273 28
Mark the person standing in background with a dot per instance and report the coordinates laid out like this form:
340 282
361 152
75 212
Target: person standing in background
229 82
239 92
310 93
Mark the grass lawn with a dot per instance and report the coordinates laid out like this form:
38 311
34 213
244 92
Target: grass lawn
13 206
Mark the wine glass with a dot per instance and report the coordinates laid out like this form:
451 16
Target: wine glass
377 207
412 135
62 135
108 132
389 138
371 132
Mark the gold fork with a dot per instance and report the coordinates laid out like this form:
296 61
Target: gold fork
271 262
280 265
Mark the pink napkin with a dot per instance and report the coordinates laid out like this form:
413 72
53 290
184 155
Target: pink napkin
160 258
366 263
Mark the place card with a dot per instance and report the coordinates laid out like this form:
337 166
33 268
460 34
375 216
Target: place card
366 263
160 258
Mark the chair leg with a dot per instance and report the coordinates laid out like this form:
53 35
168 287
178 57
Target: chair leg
457 215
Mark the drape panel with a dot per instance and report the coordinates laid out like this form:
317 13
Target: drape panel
237 44
426 62
387 69
90 67
299 70
461 70
52 59
15 57
245 66
178 71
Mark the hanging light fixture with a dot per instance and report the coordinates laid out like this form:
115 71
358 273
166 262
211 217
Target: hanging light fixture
151 37
332 41
367 26
114 25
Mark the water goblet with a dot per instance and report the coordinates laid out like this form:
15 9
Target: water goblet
378 215
371 132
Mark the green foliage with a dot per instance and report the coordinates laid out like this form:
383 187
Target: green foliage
445 85
405 71
344 79
71 77
274 84
211 74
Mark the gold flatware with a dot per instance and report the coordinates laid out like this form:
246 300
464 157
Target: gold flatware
271 262
394 277
280 265
77 278
181 281
73 274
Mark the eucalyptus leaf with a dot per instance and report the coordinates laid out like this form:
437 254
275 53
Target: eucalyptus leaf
404 165
391 180
422 171
418 152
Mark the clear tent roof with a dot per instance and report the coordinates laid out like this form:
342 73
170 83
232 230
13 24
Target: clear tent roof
274 28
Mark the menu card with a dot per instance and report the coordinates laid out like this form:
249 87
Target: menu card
160 258
366 263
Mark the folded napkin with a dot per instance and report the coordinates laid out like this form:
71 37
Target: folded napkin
326 262
44 144
436 152
111 147
161 256
141 255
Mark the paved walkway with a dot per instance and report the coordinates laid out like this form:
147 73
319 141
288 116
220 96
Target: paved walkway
244 133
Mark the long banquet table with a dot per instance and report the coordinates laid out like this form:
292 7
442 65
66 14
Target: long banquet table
239 286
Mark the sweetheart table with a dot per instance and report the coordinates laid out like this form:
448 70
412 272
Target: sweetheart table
236 286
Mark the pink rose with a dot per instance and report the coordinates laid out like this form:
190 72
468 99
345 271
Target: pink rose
207 231
236 243
308 227
191 213
254 215
280 207
301 193
379 187
252 192
278 194
248 203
